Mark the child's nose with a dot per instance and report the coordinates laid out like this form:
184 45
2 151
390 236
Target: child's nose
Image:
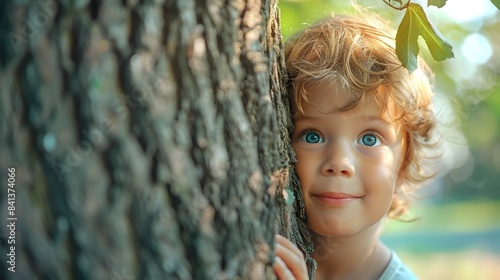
338 161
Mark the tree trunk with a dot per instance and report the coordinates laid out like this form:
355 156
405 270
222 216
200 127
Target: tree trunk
148 139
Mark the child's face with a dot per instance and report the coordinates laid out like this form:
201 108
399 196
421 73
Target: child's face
348 163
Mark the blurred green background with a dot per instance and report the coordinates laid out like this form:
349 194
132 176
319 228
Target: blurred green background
457 234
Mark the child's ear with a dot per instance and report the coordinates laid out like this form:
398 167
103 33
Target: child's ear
399 182
397 188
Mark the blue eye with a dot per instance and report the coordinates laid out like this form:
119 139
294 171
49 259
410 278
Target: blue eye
312 137
369 140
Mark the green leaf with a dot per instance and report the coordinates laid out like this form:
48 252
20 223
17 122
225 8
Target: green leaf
414 24
438 45
406 42
496 3
437 3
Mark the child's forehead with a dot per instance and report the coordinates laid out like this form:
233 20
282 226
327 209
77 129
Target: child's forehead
324 100
338 98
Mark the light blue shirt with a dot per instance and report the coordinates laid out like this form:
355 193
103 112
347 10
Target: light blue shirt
397 270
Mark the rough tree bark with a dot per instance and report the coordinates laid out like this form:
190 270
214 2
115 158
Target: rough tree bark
147 137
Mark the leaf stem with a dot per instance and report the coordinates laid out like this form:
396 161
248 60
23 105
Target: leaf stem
401 7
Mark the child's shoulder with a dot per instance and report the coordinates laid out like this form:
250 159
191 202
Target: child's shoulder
397 270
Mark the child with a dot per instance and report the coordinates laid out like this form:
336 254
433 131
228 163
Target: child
363 128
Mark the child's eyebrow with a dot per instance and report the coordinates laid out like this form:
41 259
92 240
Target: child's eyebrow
301 118
367 117
379 119
374 118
